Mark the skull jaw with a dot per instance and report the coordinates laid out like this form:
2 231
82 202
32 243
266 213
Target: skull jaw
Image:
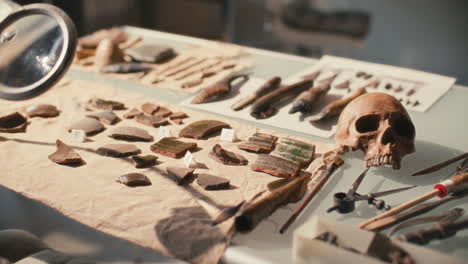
378 155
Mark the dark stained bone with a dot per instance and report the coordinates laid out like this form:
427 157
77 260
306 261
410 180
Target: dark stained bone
267 87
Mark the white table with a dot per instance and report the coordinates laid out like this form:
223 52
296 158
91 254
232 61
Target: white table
441 132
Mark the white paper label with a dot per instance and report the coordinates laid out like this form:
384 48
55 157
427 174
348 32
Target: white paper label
228 134
164 132
189 160
78 135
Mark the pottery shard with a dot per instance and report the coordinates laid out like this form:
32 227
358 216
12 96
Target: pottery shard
178 115
90 126
149 108
162 112
132 113
130 134
98 103
144 161
178 121
210 182
202 129
133 179
107 117
180 175
42 110
275 166
13 123
91 41
227 157
259 143
152 121
150 53
65 155
125 67
172 147
118 150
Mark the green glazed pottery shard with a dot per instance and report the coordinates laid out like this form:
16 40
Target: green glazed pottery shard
211 183
275 166
118 150
259 143
13 123
202 129
91 126
227 157
144 161
131 134
172 147
296 151
133 179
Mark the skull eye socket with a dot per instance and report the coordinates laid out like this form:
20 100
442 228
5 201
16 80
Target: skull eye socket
404 127
368 123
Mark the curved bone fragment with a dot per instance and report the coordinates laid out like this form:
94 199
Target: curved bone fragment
267 87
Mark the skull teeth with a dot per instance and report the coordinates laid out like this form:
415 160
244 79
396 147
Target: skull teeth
383 160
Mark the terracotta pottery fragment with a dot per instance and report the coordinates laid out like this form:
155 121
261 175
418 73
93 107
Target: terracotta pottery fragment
296 151
227 157
65 155
210 182
90 126
130 134
180 175
172 147
125 67
107 117
118 150
152 121
202 129
116 35
101 104
132 113
133 179
259 143
178 115
144 161
150 53
42 110
13 123
162 112
275 166
178 121
149 108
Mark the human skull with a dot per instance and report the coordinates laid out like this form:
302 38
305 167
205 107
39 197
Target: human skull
379 125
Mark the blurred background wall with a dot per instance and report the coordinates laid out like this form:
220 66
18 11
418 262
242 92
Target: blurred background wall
429 35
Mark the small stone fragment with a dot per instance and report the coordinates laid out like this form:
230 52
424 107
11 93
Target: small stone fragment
178 115
388 86
150 53
360 74
410 92
13 123
202 129
107 117
399 89
133 179
125 67
152 121
90 126
98 103
416 103
130 134
172 147
42 110
144 161
180 175
149 108
162 112
118 150
65 155
132 113
227 157
210 182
